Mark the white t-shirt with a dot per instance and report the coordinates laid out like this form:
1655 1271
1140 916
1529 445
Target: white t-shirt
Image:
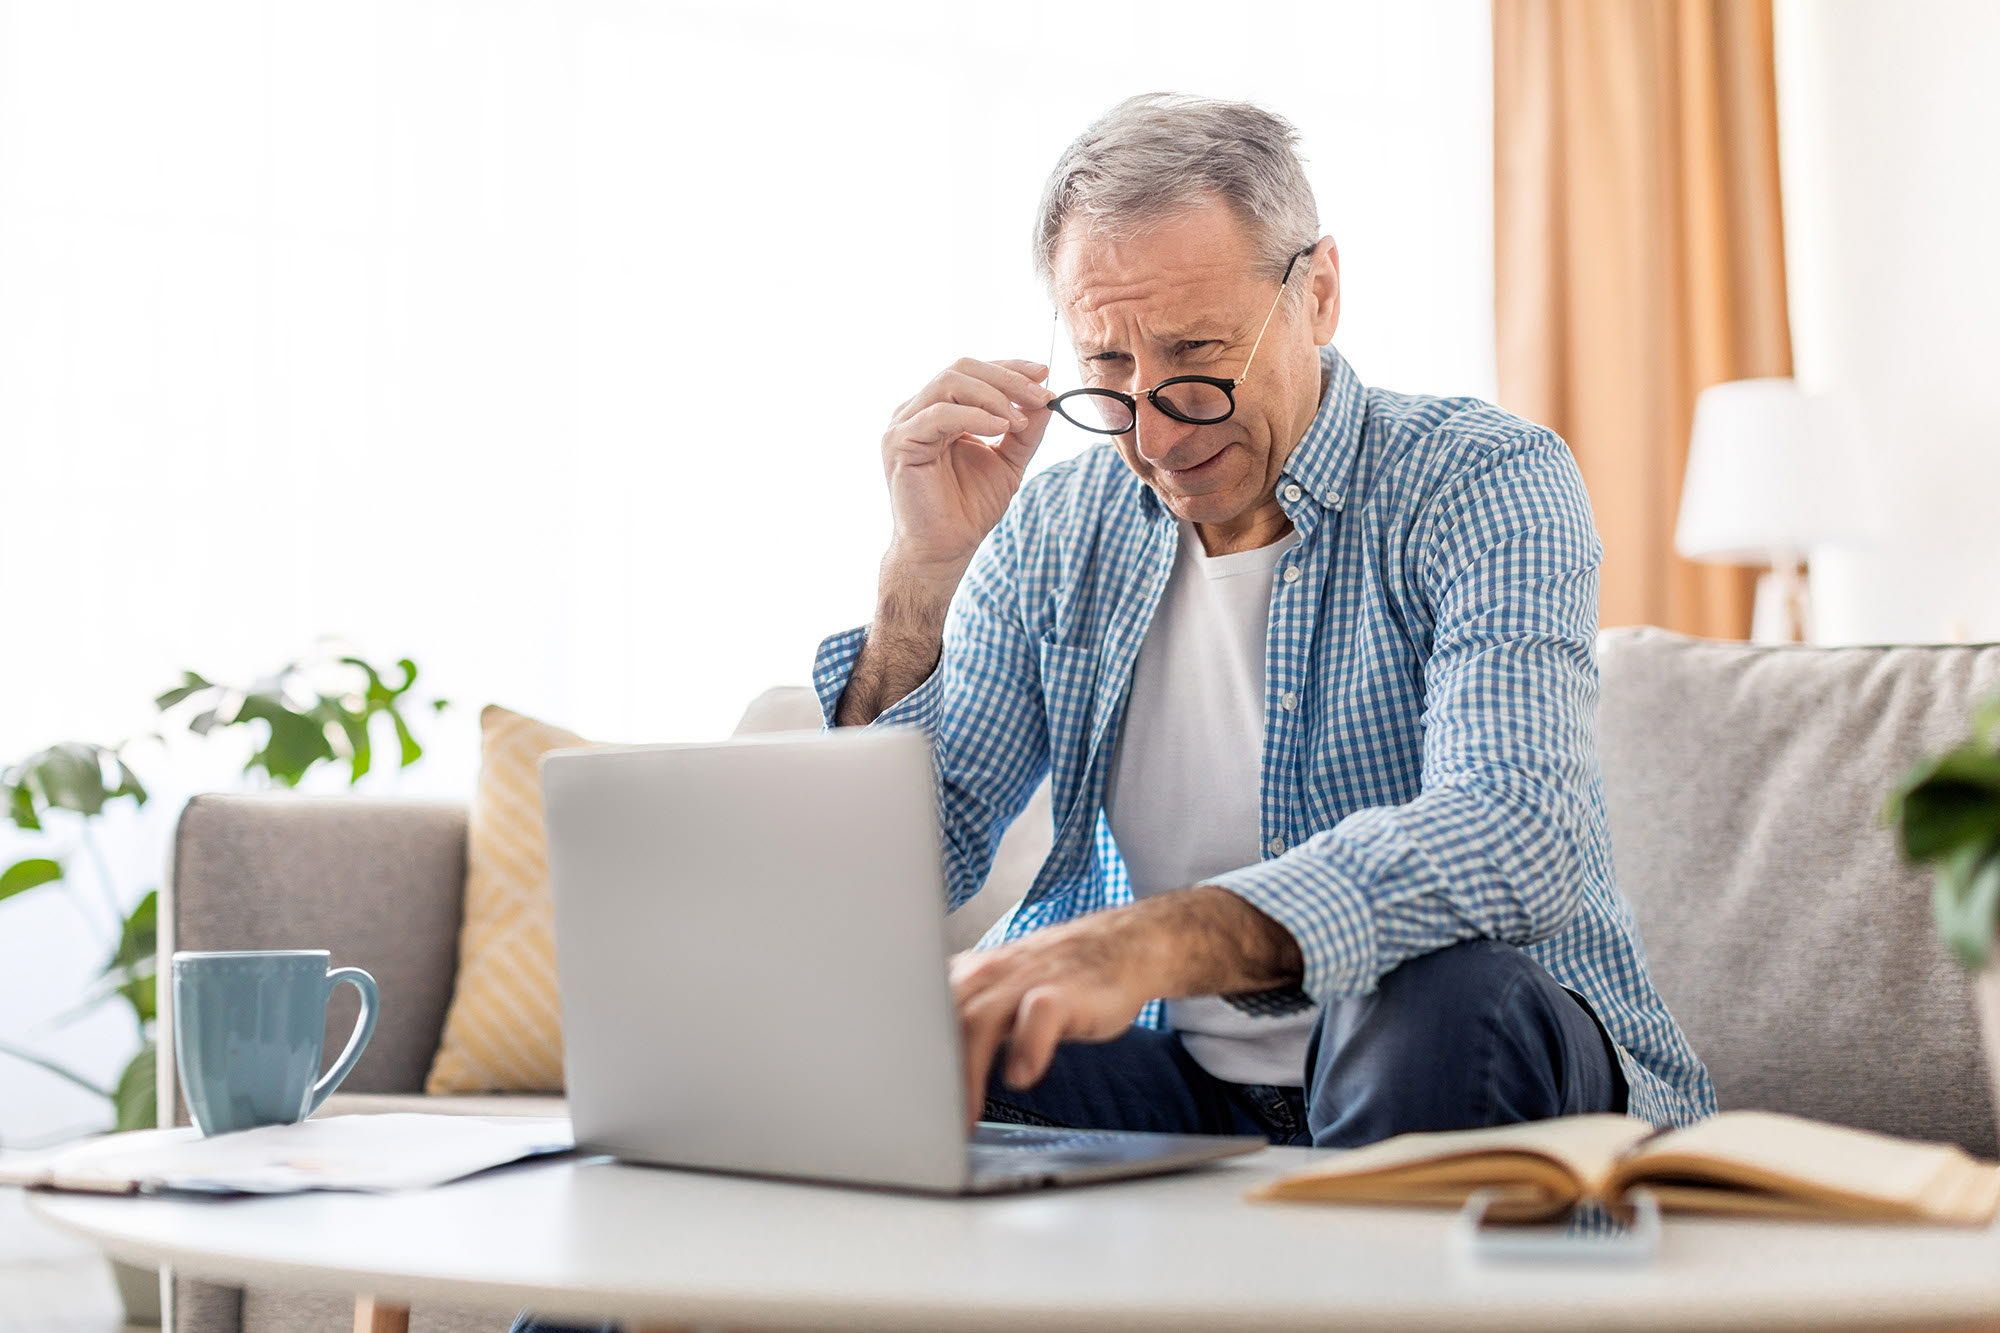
1182 794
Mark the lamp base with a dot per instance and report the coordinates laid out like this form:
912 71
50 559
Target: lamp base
1782 612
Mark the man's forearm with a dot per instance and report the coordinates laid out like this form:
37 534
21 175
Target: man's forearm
904 642
1208 941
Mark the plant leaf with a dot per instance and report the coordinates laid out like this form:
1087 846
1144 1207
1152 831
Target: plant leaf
116 982
128 783
136 1098
21 805
139 937
294 743
191 684
1966 899
26 874
360 749
1986 722
411 750
375 689
132 970
1947 802
71 777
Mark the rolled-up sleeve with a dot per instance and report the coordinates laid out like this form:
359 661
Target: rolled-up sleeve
1496 842
981 707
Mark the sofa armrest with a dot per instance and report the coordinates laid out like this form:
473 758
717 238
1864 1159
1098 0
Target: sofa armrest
379 883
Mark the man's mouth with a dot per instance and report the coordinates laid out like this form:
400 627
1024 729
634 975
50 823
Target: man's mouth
1200 470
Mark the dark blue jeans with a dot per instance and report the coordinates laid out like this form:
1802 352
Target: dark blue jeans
1474 1035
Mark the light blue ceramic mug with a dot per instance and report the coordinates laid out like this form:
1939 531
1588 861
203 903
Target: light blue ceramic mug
249 1029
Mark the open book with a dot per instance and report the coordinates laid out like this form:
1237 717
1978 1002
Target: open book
1749 1162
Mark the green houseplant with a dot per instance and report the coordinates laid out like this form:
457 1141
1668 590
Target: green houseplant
1946 813
322 709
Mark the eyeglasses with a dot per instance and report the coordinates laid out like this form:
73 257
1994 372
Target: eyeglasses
1199 400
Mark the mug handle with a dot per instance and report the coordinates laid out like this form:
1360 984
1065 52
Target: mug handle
364 1028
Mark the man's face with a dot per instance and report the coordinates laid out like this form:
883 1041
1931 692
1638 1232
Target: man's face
1187 298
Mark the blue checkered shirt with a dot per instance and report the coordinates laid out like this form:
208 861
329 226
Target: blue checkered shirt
1435 778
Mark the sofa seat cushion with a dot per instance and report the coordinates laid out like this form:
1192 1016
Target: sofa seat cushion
1794 944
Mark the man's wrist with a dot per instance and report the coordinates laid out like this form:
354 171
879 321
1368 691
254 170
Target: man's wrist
911 600
1208 941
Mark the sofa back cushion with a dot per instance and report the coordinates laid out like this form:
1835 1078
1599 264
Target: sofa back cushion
376 882
1789 937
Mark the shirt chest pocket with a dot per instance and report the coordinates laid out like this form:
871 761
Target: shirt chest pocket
1070 677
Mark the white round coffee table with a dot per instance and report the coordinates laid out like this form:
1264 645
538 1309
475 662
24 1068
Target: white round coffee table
594 1238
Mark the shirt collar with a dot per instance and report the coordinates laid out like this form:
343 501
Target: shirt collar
1322 460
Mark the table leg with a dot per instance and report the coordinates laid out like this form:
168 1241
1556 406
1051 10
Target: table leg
373 1316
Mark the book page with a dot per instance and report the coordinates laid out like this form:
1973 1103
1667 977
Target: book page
1829 1169
350 1152
1557 1161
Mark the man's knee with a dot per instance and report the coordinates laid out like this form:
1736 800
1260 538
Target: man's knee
1472 1035
1420 1013
1470 973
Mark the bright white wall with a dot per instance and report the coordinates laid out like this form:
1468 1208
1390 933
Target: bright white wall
550 343
1888 118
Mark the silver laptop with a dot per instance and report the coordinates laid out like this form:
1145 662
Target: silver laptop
751 958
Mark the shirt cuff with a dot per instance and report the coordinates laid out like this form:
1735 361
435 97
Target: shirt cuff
1326 915
833 665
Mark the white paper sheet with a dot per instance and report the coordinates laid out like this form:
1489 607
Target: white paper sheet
374 1153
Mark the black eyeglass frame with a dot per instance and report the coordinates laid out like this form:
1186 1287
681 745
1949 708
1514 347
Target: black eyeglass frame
1226 385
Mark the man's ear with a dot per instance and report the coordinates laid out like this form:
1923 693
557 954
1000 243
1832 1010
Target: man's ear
1325 300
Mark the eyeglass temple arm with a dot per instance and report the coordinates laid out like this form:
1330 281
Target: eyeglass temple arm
1251 360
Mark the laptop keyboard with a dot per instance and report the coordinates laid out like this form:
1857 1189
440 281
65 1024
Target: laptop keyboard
1001 1153
1036 1139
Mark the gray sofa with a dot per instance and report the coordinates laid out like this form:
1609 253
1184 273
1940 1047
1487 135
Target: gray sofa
1744 786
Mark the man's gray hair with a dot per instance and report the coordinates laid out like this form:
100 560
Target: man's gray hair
1154 156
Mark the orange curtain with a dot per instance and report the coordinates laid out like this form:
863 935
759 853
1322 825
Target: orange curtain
1639 258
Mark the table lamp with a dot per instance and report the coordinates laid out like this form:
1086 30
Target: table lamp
1772 472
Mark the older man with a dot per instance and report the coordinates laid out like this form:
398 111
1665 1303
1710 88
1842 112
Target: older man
1309 665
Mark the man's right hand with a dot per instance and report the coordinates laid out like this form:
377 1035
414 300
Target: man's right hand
948 486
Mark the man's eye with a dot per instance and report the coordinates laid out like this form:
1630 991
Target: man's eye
1195 345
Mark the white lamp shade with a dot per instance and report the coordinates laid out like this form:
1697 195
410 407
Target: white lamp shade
1772 472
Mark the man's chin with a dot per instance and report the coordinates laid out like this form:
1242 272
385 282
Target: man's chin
1219 506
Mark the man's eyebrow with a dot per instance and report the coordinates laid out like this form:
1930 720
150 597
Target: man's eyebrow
1184 333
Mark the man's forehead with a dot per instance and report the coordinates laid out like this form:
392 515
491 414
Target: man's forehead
1174 276
1202 301
1091 271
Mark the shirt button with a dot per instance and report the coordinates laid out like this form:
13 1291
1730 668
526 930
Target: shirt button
1288 700
1293 492
1335 500
1277 846
1291 573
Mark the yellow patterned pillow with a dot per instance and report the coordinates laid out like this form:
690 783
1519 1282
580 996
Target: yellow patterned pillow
503 1032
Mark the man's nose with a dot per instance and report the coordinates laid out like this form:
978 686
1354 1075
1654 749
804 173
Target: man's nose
1159 436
